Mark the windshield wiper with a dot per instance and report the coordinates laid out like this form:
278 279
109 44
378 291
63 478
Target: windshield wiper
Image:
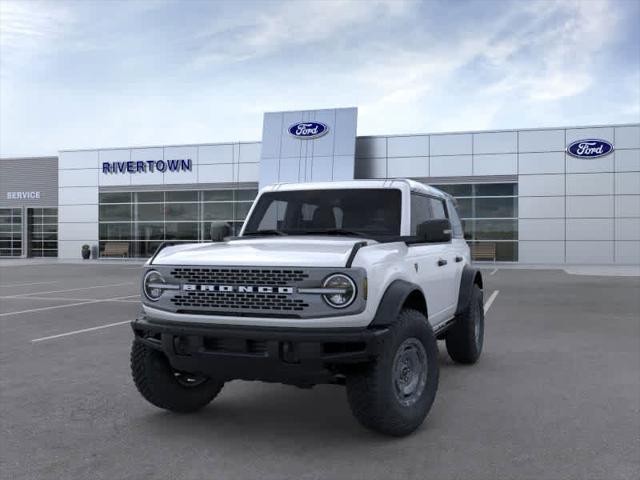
264 232
332 231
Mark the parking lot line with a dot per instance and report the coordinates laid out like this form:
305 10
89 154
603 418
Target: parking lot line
489 302
51 337
41 309
24 284
71 289
119 299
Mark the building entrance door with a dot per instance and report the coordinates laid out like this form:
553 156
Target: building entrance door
42 232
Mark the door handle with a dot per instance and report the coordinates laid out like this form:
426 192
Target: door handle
459 259
442 262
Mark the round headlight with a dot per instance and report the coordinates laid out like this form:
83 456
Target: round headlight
344 290
152 285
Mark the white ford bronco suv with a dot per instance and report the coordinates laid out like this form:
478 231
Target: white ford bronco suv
346 283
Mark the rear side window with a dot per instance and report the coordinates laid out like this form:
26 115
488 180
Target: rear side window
420 211
437 209
456 225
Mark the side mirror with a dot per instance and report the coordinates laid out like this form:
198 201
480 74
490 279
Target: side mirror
434 231
220 230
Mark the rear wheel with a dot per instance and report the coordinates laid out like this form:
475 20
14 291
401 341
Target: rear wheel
394 394
167 388
465 339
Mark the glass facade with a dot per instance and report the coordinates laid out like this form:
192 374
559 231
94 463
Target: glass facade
489 213
140 221
10 232
42 228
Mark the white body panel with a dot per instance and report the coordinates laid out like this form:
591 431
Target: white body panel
383 262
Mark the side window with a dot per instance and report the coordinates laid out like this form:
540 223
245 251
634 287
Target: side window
420 211
437 208
456 225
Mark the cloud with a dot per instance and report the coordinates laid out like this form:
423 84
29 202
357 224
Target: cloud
288 25
532 53
29 27
117 73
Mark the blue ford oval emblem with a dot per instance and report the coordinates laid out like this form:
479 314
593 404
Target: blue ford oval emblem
308 130
590 148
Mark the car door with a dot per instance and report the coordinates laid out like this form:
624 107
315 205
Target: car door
460 247
448 261
425 263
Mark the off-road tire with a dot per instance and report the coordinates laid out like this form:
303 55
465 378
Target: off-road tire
156 381
371 391
464 342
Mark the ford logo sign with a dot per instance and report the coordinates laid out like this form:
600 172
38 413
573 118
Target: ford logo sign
590 148
308 130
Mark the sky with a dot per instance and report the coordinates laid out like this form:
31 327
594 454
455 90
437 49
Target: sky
85 74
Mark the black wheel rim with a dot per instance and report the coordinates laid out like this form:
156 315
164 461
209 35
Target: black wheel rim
409 371
189 380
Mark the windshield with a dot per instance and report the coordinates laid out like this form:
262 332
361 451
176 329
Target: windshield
372 213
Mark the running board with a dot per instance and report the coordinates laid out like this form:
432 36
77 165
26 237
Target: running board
443 327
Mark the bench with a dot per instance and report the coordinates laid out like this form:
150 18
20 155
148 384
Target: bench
116 250
483 251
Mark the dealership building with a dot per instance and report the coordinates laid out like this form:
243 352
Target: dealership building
567 195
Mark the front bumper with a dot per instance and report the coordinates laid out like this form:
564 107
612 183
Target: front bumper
285 355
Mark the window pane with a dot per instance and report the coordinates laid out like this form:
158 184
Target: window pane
420 211
494 251
115 212
465 207
115 231
50 211
188 196
496 189
437 208
217 211
374 212
246 194
149 231
495 207
456 225
144 249
456 190
149 212
129 250
494 229
181 211
146 197
182 231
117 197
242 209
219 195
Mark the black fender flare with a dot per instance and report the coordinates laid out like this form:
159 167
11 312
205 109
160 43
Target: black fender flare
397 295
470 277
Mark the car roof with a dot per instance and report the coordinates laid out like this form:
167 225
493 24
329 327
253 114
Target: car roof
401 183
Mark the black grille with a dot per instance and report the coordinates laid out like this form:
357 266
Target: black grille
238 276
238 301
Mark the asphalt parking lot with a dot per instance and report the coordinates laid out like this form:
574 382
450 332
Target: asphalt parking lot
555 395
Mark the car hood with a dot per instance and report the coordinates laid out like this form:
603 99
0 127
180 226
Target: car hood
308 251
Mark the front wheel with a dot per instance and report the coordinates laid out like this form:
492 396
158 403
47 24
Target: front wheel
167 388
394 394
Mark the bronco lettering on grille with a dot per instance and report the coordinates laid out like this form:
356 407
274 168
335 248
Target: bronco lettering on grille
237 289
